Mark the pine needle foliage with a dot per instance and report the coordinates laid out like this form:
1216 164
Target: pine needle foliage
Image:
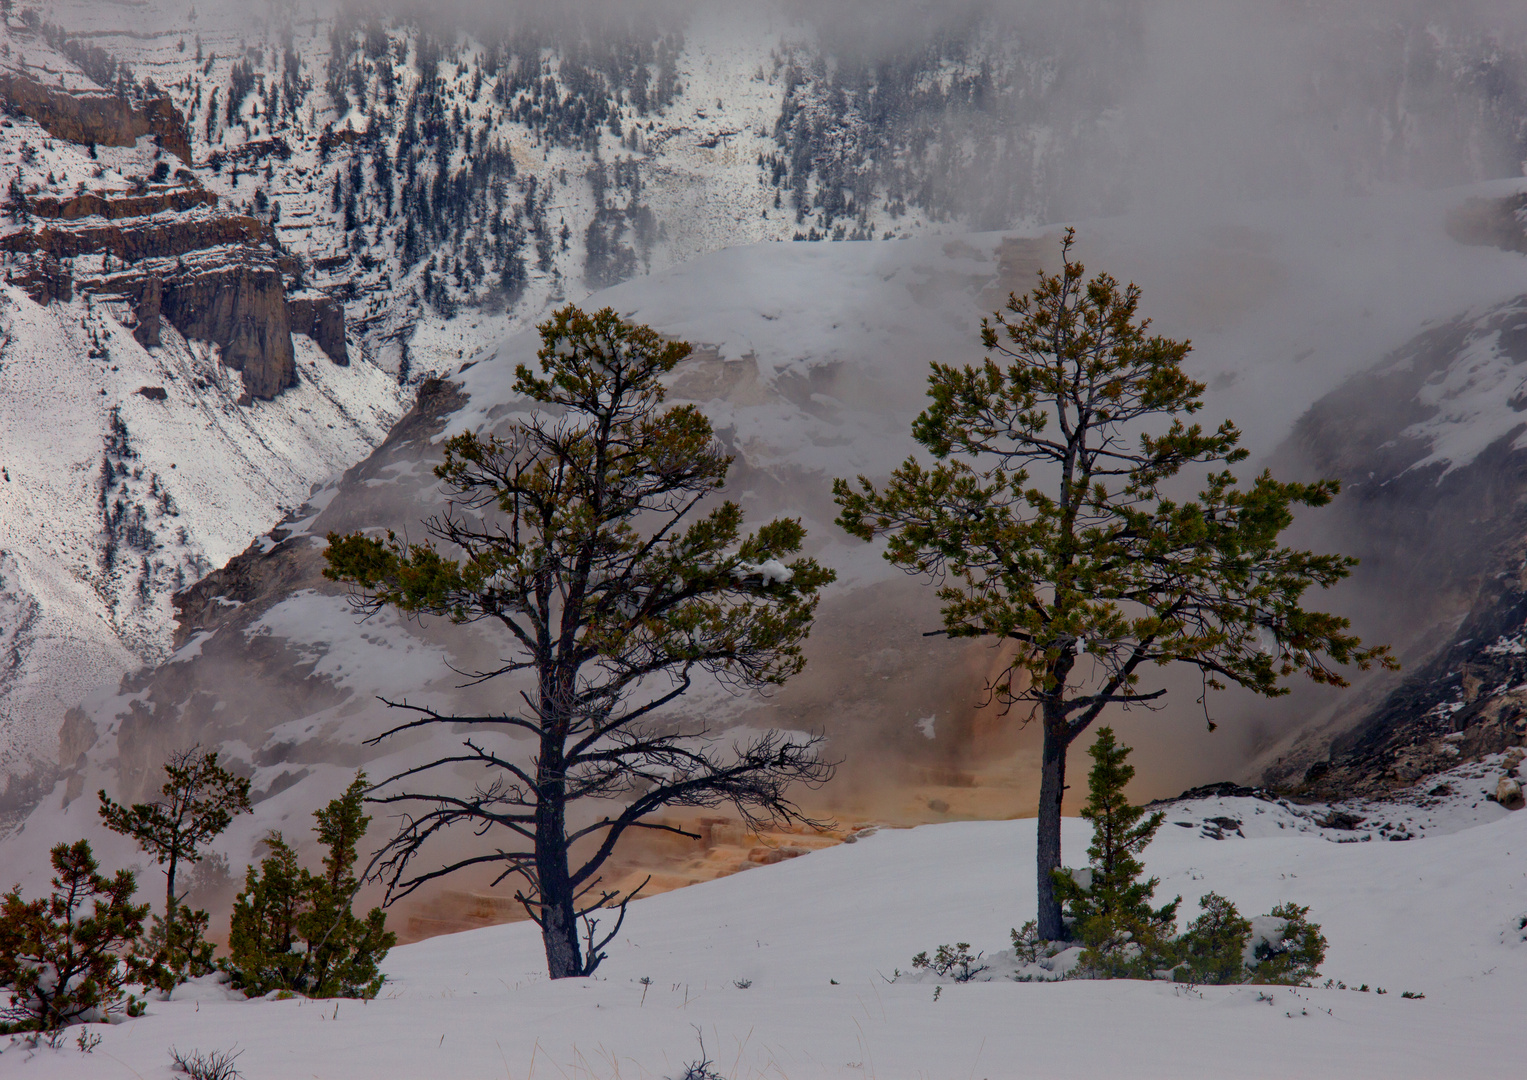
294 930
1295 958
61 957
593 532
200 800
1112 915
1043 521
1213 948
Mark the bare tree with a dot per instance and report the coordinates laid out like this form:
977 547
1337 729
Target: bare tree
582 533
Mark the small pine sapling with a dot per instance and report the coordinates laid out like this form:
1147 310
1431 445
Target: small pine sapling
294 930
345 951
1108 906
1213 950
1029 947
200 800
61 957
1296 957
263 930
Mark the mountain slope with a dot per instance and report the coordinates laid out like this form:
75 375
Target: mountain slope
811 362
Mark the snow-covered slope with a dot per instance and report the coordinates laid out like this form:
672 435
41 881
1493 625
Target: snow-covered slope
783 973
447 183
113 498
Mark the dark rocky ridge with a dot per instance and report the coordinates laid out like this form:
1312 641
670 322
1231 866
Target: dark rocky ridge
1445 549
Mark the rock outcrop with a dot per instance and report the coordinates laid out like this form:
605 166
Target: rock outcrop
217 277
148 237
114 207
102 118
1441 531
321 318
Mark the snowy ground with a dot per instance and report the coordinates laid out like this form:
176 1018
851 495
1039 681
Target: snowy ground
817 937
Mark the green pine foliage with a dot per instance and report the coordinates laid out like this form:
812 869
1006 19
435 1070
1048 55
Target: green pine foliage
1296 957
1049 517
200 799
1107 906
61 957
1111 913
1213 950
595 532
294 930
263 929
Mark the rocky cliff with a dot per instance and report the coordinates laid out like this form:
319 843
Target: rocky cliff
99 117
1429 449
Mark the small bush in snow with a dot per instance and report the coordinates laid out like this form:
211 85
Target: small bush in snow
1213 949
294 931
703 1068
1117 934
216 1065
952 962
1029 947
62 958
1290 953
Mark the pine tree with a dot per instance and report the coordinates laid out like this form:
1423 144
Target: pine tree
294 930
264 924
345 951
60 959
1043 522
200 801
1109 907
593 532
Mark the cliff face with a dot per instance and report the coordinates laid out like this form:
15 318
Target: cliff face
243 309
1440 525
321 318
97 118
114 207
216 276
238 303
147 237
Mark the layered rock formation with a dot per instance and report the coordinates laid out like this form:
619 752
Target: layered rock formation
97 118
218 277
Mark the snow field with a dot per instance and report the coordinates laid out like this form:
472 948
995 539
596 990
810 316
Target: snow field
818 935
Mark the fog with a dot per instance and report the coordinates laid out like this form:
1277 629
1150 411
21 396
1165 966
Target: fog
1219 152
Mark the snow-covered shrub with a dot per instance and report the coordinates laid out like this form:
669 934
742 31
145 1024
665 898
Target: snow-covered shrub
1285 946
1214 948
62 958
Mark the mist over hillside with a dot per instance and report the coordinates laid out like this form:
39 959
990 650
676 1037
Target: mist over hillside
243 240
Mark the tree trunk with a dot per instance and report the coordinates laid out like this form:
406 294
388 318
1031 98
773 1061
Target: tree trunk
559 923
170 900
1052 789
